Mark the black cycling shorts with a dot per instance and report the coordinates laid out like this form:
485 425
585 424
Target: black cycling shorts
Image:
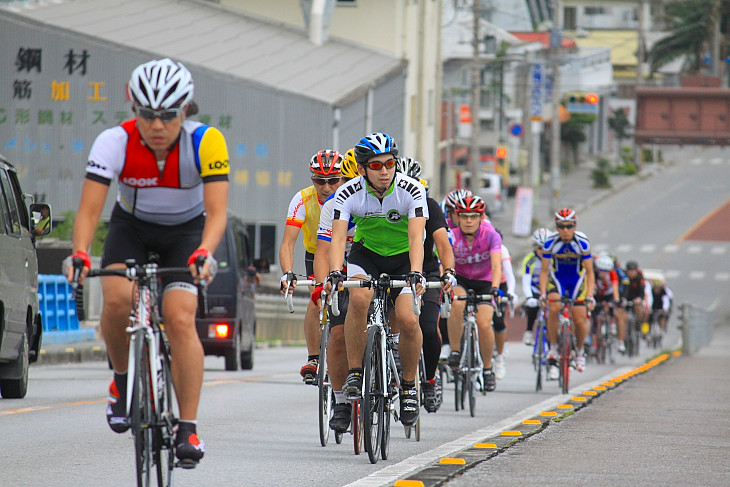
132 238
479 287
309 264
374 264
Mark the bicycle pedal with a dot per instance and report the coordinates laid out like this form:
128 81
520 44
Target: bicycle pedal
310 380
187 464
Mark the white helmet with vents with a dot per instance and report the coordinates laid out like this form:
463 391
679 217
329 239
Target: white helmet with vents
161 84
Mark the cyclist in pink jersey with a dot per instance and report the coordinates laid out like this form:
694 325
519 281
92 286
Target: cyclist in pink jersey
478 264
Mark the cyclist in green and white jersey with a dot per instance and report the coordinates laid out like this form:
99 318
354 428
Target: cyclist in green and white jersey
390 211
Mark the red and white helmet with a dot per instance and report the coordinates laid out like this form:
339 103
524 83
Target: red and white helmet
470 204
455 196
326 162
566 215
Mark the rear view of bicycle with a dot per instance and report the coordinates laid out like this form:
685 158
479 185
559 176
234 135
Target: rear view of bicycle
566 341
150 405
540 349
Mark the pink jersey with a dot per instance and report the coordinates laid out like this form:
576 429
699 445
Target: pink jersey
475 262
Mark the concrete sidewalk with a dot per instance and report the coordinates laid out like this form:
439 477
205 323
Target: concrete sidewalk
668 426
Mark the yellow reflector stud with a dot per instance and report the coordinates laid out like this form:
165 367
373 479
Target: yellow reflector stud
609 384
532 421
453 461
578 398
511 433
676 353
549 413
590 393
408 483
565 406
485 445
599 388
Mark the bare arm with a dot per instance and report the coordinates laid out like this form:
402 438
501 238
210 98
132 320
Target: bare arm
496 260
337 247
321 260
544 276
286 251
444 248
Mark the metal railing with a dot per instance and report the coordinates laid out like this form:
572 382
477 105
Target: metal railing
696 325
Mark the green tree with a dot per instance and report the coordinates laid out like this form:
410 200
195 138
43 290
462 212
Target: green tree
572 133
691 23
64 231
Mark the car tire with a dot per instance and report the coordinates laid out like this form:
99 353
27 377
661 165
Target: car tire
247 355
233 355
17 388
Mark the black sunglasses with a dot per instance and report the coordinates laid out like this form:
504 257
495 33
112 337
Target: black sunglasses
566 227
167 115
323 181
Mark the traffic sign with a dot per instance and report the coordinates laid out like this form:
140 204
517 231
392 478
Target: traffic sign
516 130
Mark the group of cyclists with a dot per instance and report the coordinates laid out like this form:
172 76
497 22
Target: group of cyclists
367 212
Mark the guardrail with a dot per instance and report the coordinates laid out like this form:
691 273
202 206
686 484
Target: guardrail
274 322
696 325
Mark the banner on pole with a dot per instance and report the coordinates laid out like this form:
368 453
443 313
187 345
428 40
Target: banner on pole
522 221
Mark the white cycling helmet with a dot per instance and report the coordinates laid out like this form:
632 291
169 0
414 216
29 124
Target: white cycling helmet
539 236
161 84
604 263
410 167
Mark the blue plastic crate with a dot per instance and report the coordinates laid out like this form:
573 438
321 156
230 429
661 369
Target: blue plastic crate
58 310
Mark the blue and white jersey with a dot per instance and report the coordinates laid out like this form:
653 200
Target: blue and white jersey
566 259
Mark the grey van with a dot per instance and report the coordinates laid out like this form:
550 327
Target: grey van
229 328
20 321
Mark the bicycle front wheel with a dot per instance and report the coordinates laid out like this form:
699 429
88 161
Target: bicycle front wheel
564 349
325 390
164 449
539 354
471 351
141 409
373 394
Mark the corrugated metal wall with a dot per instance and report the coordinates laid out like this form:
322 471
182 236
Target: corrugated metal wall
60 90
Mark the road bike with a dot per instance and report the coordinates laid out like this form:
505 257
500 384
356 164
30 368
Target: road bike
633 333
415 429
606 335
540 348
381 382
566 341
656 333
468 376
150 405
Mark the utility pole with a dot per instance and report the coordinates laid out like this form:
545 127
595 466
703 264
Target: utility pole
640 55
556 42
476 82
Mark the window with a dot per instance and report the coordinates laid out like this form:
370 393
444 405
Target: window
12 220
569 22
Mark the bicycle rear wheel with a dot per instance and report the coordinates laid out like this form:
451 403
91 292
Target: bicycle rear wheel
164 450
356 427
141 409
373 395
325 390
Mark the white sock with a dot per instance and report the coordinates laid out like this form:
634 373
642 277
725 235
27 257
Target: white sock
340 397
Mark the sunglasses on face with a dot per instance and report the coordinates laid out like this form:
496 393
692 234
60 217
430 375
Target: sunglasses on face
469 215
377 166
167 115
565 227
323 181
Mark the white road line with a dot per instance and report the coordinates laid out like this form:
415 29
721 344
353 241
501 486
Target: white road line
715 161
722 276
624 248
696 161
670 249
694 249
718 250
648 248
696 275
389 475
672 274
601 247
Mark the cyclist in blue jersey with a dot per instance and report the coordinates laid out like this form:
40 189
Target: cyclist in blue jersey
567 270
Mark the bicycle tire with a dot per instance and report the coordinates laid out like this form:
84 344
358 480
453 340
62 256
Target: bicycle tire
325 390
356 427
164 451
457 393
373 395
472 361
141 410
565 349
539 354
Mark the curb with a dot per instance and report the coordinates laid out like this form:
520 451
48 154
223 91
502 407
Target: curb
70 354
439 472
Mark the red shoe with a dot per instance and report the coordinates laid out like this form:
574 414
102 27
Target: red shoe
309 371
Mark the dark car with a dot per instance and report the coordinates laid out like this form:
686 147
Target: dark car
229 328
20 321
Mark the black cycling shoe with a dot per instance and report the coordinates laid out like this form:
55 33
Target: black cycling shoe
454 359
189 449
341 416
408 405
116 410
432 395
490 380
352 389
